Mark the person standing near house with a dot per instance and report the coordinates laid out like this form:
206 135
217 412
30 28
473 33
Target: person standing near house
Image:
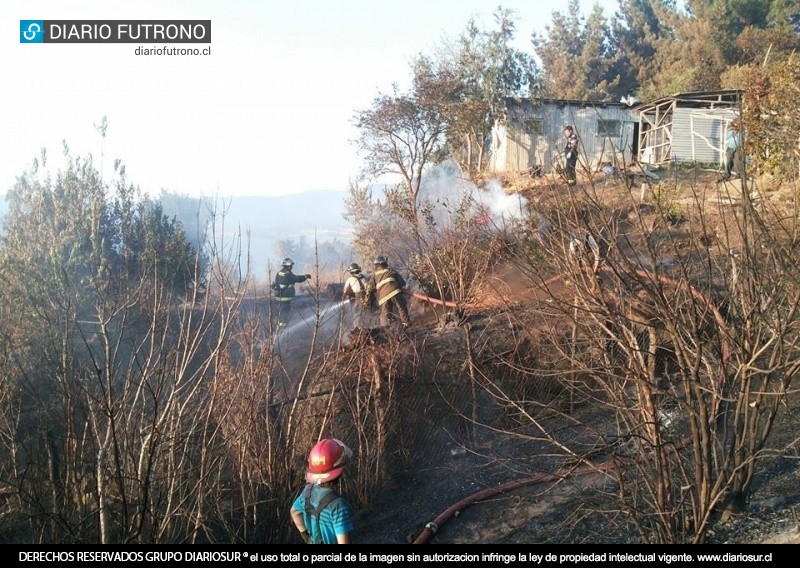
283 286
733 145
388 286
571 154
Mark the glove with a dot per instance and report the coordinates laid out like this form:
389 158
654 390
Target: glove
569 155
306 537
308 276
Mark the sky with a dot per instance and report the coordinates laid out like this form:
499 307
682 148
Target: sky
268 112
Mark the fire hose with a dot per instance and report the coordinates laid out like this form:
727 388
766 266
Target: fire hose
586 468
434 301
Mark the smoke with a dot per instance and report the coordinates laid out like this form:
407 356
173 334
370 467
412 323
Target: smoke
450 195
501 206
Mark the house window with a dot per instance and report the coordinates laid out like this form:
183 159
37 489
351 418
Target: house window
534 125
609 128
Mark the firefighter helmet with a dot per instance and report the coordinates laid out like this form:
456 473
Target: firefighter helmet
381 260
287 262
354 268
326 460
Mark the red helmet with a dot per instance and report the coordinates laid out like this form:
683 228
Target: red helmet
326 460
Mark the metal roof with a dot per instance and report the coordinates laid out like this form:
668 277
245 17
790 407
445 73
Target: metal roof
728 97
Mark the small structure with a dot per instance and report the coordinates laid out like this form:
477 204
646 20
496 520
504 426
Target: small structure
334 291
687 127
531 137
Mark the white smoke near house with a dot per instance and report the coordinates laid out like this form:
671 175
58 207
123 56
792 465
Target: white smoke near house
501 206
448 191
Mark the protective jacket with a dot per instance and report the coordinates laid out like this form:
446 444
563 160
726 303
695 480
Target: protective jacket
387 283
354 288
284 284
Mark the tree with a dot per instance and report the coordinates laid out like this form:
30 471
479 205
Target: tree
703 37
715 36
401 136
455 100
485 71
93 283
635 33
379 216
745 31
577 59
193 213
771 113
59 234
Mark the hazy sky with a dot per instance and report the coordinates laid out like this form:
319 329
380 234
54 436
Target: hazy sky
268 112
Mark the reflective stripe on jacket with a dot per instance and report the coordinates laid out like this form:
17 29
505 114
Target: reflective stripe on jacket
284 285
388 284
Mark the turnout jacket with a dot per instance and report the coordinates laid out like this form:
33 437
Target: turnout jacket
354 287
284 284
386 283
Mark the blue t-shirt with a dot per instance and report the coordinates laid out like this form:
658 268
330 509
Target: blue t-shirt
734 139
335 519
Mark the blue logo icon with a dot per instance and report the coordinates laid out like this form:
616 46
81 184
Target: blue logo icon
31 31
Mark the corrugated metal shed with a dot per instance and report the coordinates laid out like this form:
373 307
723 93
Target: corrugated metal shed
687 127
532 136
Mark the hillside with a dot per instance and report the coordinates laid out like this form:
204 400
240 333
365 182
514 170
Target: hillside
508 459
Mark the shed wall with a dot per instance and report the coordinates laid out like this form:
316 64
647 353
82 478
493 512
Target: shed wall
698 135
516 148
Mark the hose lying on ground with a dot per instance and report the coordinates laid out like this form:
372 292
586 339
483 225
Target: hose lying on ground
435 301
586 468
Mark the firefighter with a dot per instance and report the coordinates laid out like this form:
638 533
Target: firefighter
387 286
319 513
283 286
355 292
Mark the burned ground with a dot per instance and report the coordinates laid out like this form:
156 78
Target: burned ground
485 469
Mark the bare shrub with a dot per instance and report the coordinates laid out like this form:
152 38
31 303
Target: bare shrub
685 345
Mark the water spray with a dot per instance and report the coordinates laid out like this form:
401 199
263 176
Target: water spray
332 308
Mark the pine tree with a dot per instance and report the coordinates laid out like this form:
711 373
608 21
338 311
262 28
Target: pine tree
635 32
576 57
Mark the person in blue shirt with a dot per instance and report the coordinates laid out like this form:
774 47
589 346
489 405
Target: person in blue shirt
319 513
733 146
